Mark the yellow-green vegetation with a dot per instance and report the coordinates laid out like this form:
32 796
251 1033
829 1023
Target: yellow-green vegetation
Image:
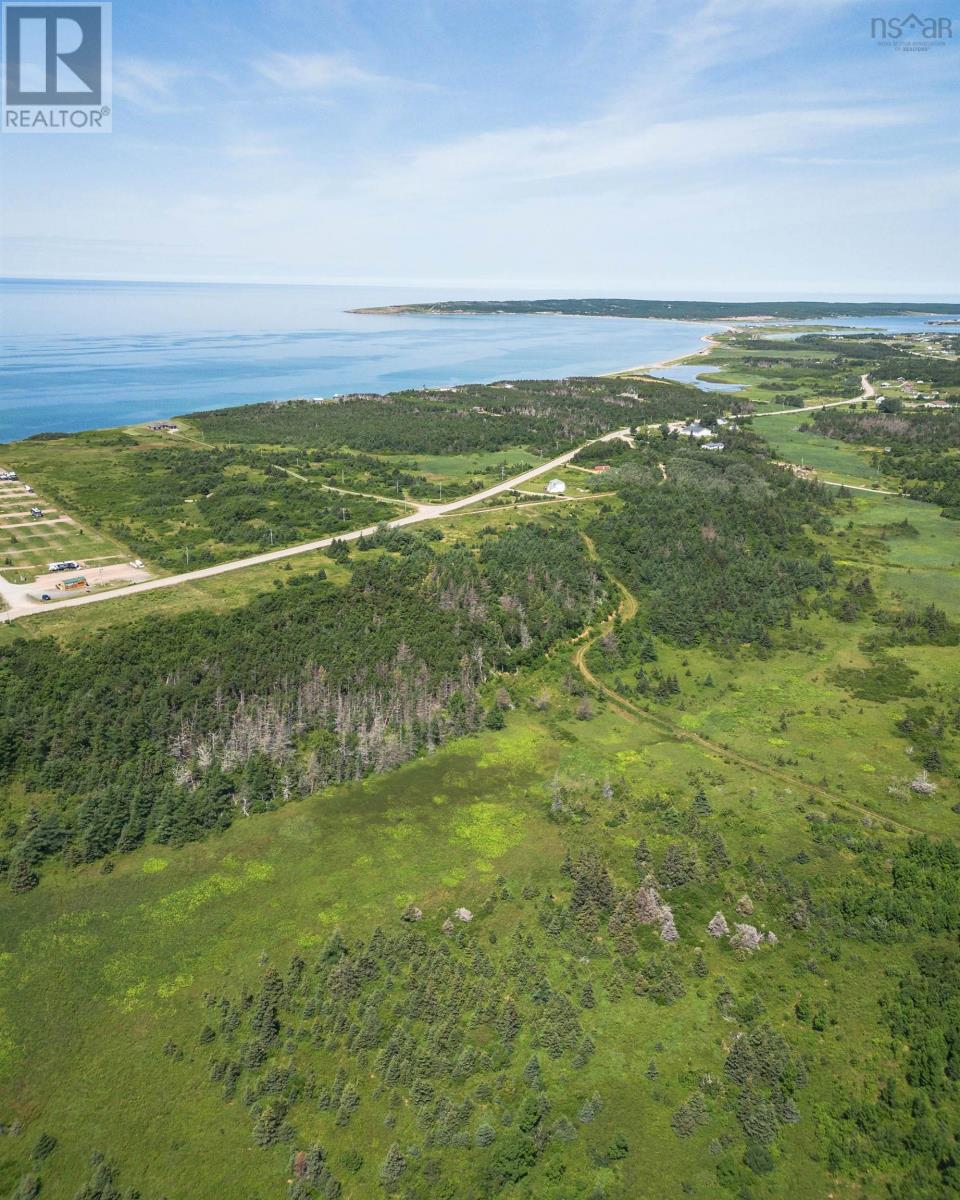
602 849
123 965
479 469
828 458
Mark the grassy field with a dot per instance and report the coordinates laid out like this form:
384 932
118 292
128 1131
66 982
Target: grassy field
99 973
795 713
776 775
797 371
28 544
485 468
218 594
831 459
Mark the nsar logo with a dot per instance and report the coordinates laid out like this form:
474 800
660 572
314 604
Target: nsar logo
911 32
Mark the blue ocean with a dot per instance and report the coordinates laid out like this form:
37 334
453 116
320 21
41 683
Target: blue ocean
78 355
83 355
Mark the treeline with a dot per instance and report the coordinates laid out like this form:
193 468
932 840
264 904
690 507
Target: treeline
920 449
545 416
719 550
687 310
168 728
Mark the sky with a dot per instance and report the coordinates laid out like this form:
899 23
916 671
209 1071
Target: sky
608 147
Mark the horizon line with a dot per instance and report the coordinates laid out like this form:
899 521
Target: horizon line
711 297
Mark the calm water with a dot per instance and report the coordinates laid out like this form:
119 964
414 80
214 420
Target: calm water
81 356
86 355
688 374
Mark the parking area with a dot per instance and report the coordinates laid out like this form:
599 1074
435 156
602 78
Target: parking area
35 532
84 577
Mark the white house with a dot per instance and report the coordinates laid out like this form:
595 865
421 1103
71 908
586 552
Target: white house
556 487
695 430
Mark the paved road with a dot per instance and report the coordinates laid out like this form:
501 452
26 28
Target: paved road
20 603
857 487
867 392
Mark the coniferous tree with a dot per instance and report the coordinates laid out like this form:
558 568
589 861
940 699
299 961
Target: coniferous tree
392 1167
23 878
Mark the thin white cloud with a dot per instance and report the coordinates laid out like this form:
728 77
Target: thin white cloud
323 73
146 83
621 145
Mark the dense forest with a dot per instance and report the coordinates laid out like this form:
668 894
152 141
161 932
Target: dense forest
715 545
919 450
543 416
169 728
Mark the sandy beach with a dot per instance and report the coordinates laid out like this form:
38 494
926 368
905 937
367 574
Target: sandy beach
708 338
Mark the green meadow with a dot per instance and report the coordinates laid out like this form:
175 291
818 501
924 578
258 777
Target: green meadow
831 459
101 972
586 851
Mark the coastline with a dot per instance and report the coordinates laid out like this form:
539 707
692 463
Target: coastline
447 358
709 338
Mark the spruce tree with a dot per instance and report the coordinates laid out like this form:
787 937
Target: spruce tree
392 1167
23 878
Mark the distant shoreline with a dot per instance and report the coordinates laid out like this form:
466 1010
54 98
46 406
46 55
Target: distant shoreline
664 310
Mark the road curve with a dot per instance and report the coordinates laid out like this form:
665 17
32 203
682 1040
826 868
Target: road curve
867 392
22 605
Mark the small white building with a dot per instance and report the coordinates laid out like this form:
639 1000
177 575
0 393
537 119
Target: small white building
713 445
556 487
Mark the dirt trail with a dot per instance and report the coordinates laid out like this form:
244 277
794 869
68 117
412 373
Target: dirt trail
21 603
627 609
330 487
